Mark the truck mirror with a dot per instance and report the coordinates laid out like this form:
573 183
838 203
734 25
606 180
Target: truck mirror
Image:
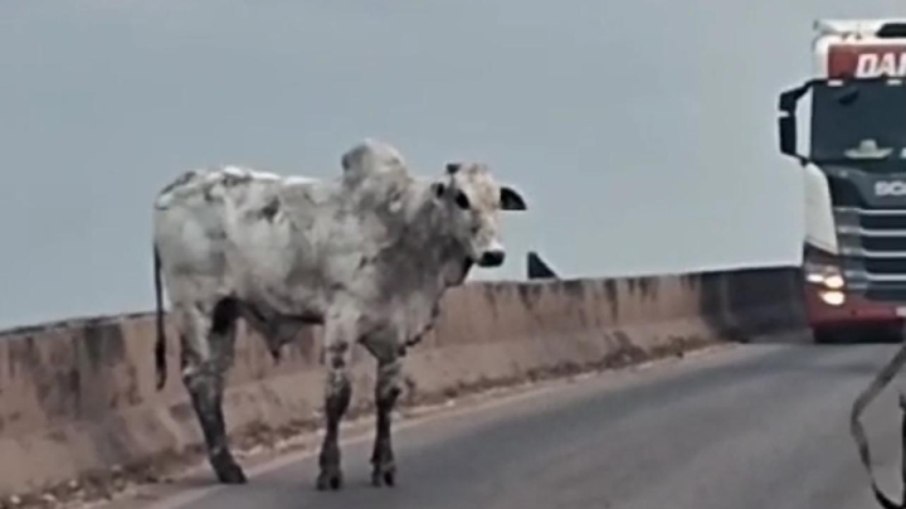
787 129
786 124
789 99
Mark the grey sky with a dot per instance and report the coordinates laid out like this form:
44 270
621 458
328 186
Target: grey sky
641 132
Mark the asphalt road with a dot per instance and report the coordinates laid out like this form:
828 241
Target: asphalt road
753 427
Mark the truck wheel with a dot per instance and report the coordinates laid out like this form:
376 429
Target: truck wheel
824 336
890 334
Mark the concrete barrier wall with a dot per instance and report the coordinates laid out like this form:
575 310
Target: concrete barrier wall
78 398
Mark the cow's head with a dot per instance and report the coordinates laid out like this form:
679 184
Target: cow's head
472 199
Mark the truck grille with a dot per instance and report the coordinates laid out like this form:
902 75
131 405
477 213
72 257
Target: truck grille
873 246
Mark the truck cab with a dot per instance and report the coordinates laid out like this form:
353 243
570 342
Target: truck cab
854 171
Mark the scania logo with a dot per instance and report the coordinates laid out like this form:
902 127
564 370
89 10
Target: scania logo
890 188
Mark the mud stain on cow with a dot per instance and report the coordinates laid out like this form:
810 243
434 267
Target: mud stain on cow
270 210
182 180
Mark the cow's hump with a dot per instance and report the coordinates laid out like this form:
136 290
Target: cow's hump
372 160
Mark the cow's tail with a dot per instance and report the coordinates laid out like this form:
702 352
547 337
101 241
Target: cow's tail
160 348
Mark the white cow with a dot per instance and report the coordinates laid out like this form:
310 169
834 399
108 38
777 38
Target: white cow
368 256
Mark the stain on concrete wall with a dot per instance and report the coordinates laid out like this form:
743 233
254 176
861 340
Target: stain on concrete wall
79 395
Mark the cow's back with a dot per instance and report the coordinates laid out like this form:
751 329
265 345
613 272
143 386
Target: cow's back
200 219
285 242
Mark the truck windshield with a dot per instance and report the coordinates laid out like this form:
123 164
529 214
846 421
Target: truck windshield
860 122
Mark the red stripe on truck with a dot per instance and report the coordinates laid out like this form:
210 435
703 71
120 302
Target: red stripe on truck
867 61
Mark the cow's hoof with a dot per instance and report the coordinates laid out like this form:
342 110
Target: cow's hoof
383 476
231 474
332 480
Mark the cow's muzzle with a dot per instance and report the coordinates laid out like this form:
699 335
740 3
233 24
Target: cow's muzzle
493 258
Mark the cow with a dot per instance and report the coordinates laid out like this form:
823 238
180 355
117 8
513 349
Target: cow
367 256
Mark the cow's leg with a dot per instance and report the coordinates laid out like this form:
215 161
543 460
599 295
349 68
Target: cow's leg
387 390
338 392
207 352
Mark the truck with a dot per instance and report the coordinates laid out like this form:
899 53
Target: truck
854 173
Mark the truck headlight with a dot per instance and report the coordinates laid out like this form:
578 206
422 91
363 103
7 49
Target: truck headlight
825 275
814 277
823 269
833 297
834 281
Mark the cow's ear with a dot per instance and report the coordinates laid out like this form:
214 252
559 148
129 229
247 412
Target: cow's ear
438 189
510 199
453 168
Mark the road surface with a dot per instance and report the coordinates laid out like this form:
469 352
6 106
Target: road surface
750 427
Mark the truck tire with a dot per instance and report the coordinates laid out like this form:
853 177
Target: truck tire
825 335
890 334
857 334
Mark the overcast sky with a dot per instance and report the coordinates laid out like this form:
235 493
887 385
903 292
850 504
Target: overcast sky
641 132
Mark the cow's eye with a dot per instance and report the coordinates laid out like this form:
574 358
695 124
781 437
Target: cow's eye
462 200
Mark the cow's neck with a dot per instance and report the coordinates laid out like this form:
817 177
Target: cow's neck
442 261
